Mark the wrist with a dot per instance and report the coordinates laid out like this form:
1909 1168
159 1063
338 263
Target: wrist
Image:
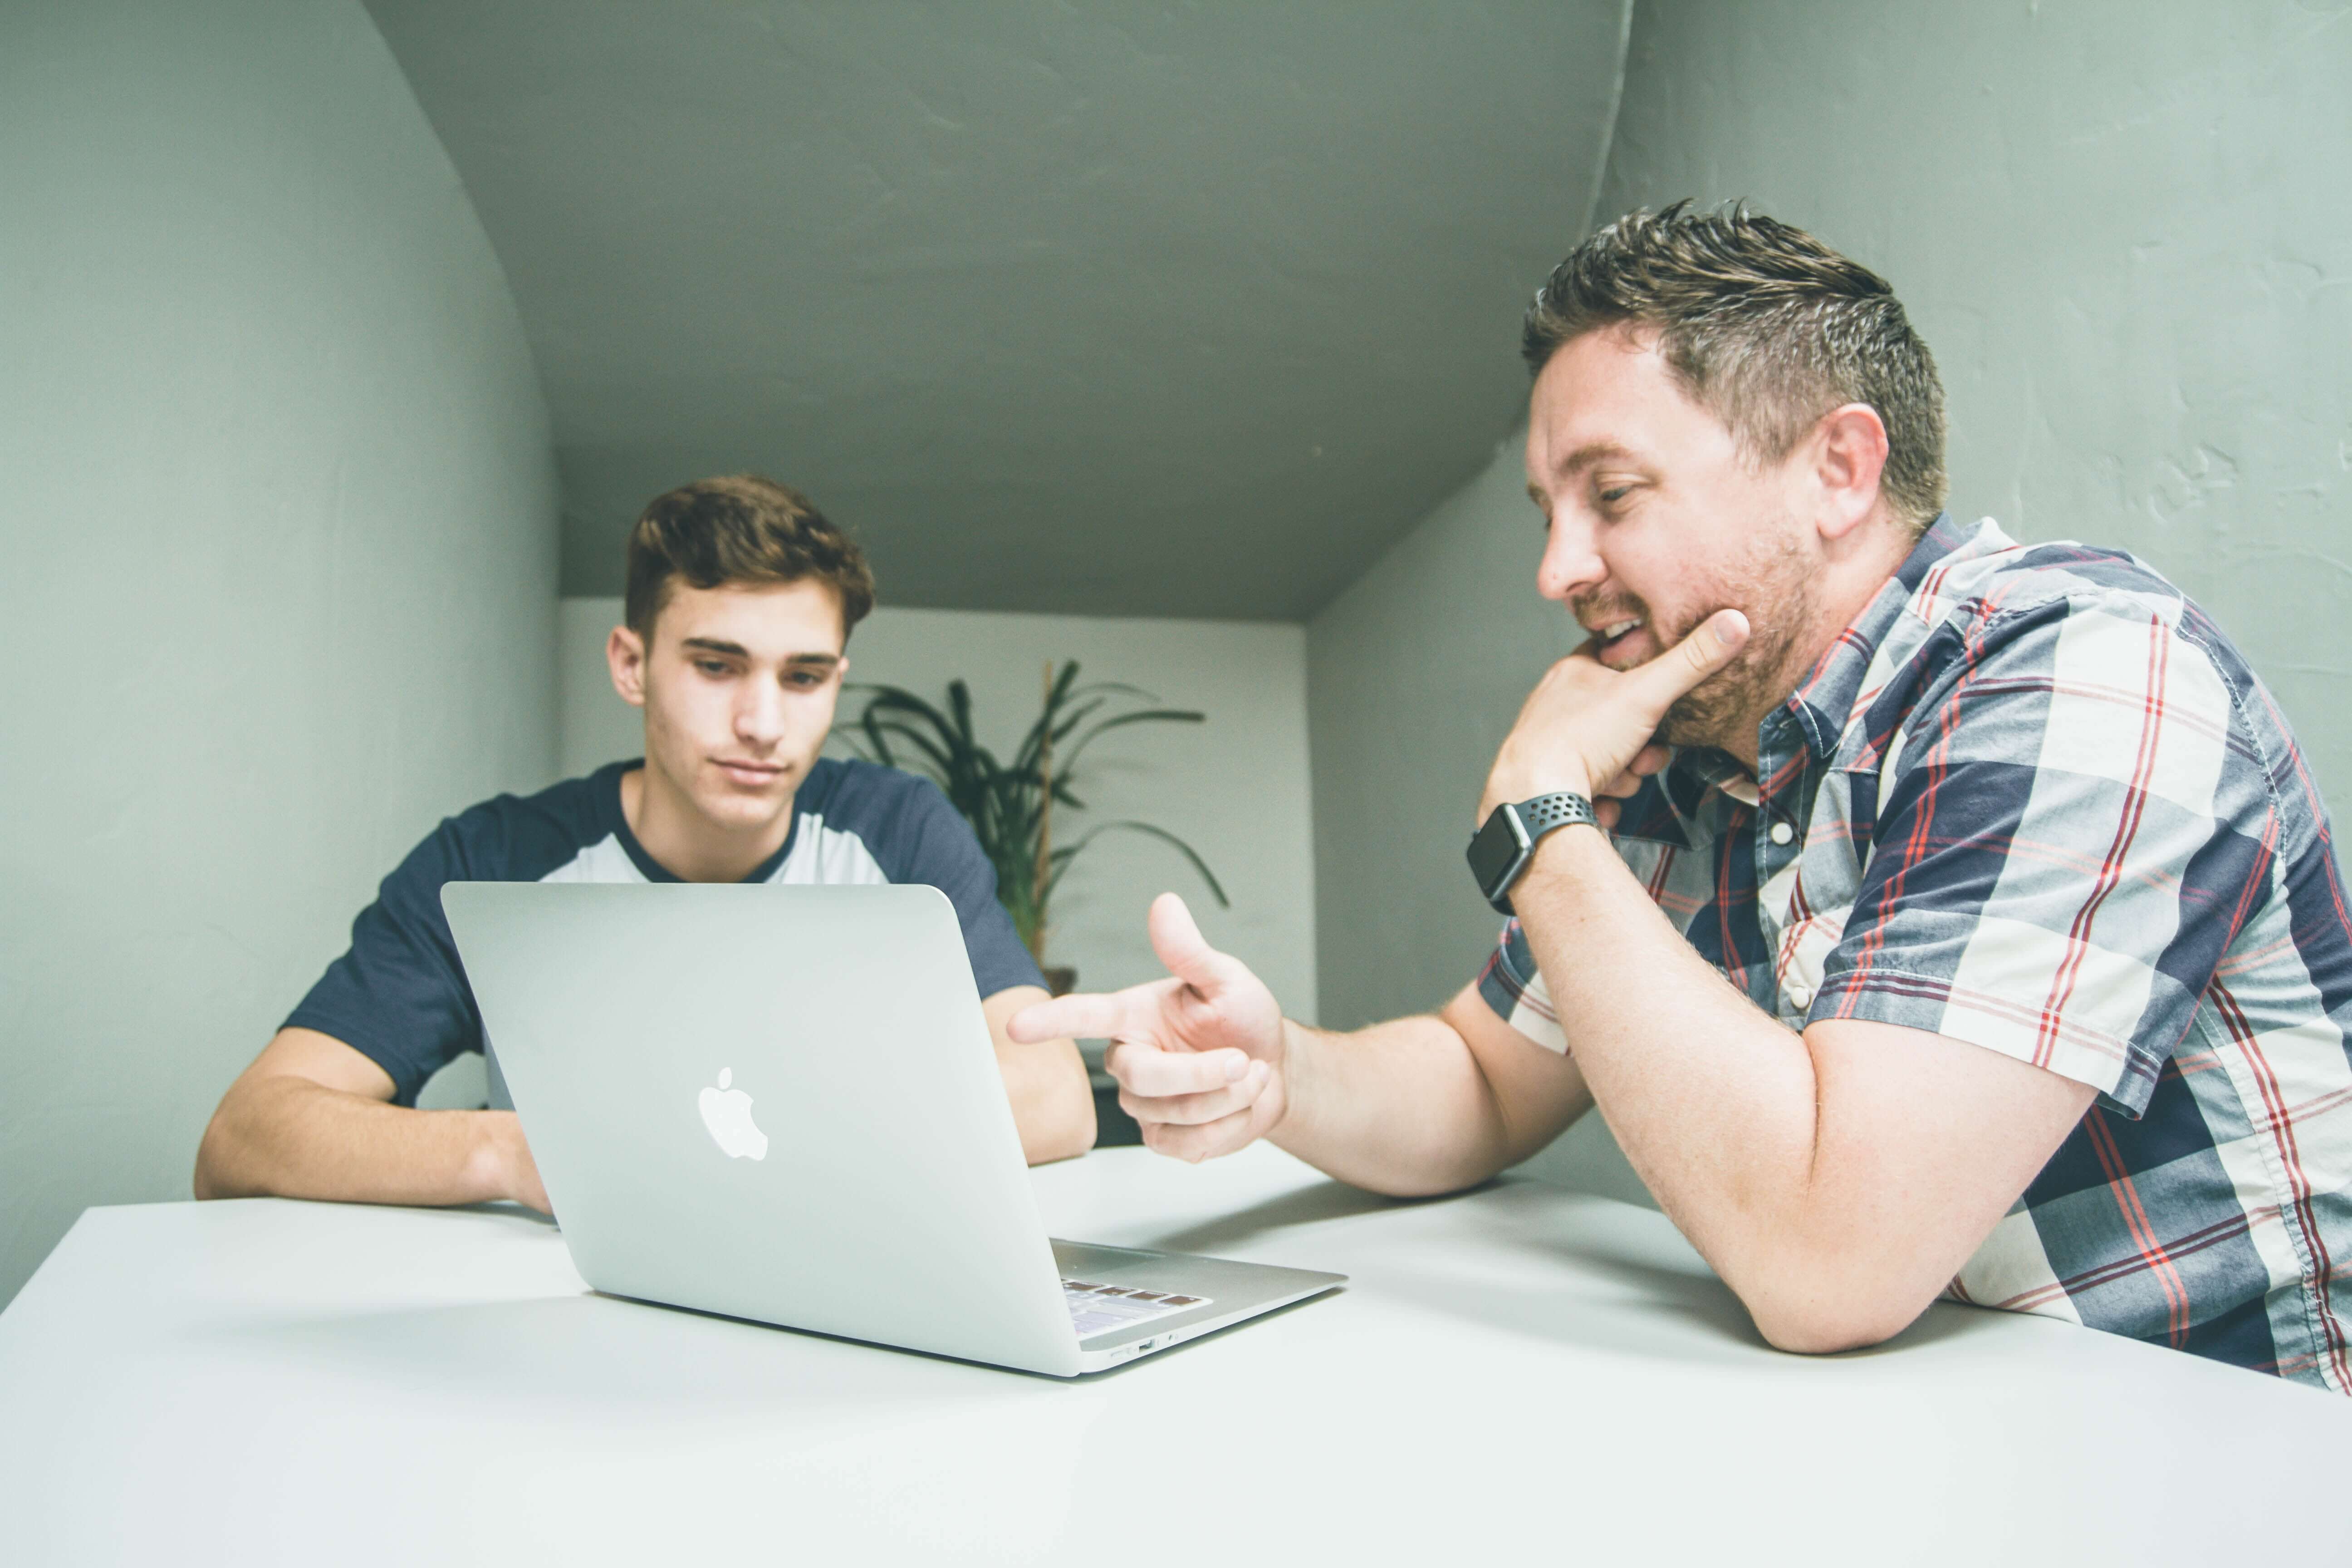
490 1175
1511 789
1562 856
1293 1070
1504 847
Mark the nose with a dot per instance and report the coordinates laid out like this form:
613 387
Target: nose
1571 562
760 714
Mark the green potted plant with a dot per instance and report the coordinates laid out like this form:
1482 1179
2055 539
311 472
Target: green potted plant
1011 804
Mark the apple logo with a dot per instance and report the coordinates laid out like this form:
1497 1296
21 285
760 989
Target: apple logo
728 1113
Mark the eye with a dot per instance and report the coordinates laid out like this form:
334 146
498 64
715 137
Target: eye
711 667
1611 498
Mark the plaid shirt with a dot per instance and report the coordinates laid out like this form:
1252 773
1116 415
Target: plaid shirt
2033 799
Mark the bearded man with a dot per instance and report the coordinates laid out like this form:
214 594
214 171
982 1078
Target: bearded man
1925 912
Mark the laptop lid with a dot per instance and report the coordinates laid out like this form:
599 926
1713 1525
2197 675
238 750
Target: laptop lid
777 1103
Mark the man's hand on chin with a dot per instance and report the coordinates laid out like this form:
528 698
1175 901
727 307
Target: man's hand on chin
1592 730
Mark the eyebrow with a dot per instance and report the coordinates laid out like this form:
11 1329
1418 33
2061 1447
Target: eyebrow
736 650
1588 455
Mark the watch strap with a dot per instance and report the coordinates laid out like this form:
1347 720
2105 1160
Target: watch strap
1532 818
1546 812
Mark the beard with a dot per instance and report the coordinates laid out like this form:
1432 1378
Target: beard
1726 708
1772 585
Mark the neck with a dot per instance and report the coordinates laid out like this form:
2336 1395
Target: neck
686 843
1843 589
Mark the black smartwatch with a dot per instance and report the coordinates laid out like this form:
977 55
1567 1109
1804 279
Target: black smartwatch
1500 850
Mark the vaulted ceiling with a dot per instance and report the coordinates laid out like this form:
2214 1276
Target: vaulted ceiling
1111 307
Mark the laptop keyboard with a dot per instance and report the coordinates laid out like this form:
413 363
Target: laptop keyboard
1096 1309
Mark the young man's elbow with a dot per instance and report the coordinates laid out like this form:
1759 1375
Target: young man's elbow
1064 1126
210 1179
1082 1129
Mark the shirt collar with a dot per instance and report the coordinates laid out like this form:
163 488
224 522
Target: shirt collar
1824 703
616 823
1708 767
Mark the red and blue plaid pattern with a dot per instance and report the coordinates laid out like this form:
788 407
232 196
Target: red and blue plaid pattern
2033 799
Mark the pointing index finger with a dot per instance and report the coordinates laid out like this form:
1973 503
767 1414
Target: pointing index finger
1076 1017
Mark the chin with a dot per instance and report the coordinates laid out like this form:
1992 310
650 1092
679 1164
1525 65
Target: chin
729 807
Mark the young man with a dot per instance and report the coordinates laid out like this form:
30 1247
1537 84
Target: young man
740 600
1959 915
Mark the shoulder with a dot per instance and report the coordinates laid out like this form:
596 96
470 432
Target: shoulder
2093 626
2072 657
854 795
2057 619
1991 598
521 838
903 821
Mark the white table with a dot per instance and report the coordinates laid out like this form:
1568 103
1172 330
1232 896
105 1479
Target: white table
1519 1374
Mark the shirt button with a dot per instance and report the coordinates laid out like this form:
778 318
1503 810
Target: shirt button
1800 997
1781 833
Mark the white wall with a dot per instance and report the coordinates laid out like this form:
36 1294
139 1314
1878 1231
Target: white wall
278 518
1236 788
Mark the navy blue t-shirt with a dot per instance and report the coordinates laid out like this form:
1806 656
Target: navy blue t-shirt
400 998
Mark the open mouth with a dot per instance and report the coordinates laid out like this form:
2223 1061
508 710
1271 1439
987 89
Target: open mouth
1613 636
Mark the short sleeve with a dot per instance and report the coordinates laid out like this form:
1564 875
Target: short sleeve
931 844
2069 834
399 996
1510 986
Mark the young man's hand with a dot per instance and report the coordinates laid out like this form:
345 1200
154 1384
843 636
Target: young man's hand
1591 730
1198 1057
516 1174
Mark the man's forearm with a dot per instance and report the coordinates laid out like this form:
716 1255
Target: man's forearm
1399 1107
287 1136
1713 1102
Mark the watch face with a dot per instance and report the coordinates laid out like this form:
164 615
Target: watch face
1494 849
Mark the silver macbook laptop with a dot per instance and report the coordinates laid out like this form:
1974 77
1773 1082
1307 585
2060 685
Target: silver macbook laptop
783 1104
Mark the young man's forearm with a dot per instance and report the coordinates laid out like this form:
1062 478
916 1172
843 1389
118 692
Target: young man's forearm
1052 1101
1046 1081
286 1136
1399 1107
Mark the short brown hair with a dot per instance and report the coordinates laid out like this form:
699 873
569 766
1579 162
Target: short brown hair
1762 325
740 528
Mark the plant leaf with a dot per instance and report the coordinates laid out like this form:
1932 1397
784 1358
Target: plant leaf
1142 716
1063 858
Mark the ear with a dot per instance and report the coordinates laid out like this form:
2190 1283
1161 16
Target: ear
1846 458
624 653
